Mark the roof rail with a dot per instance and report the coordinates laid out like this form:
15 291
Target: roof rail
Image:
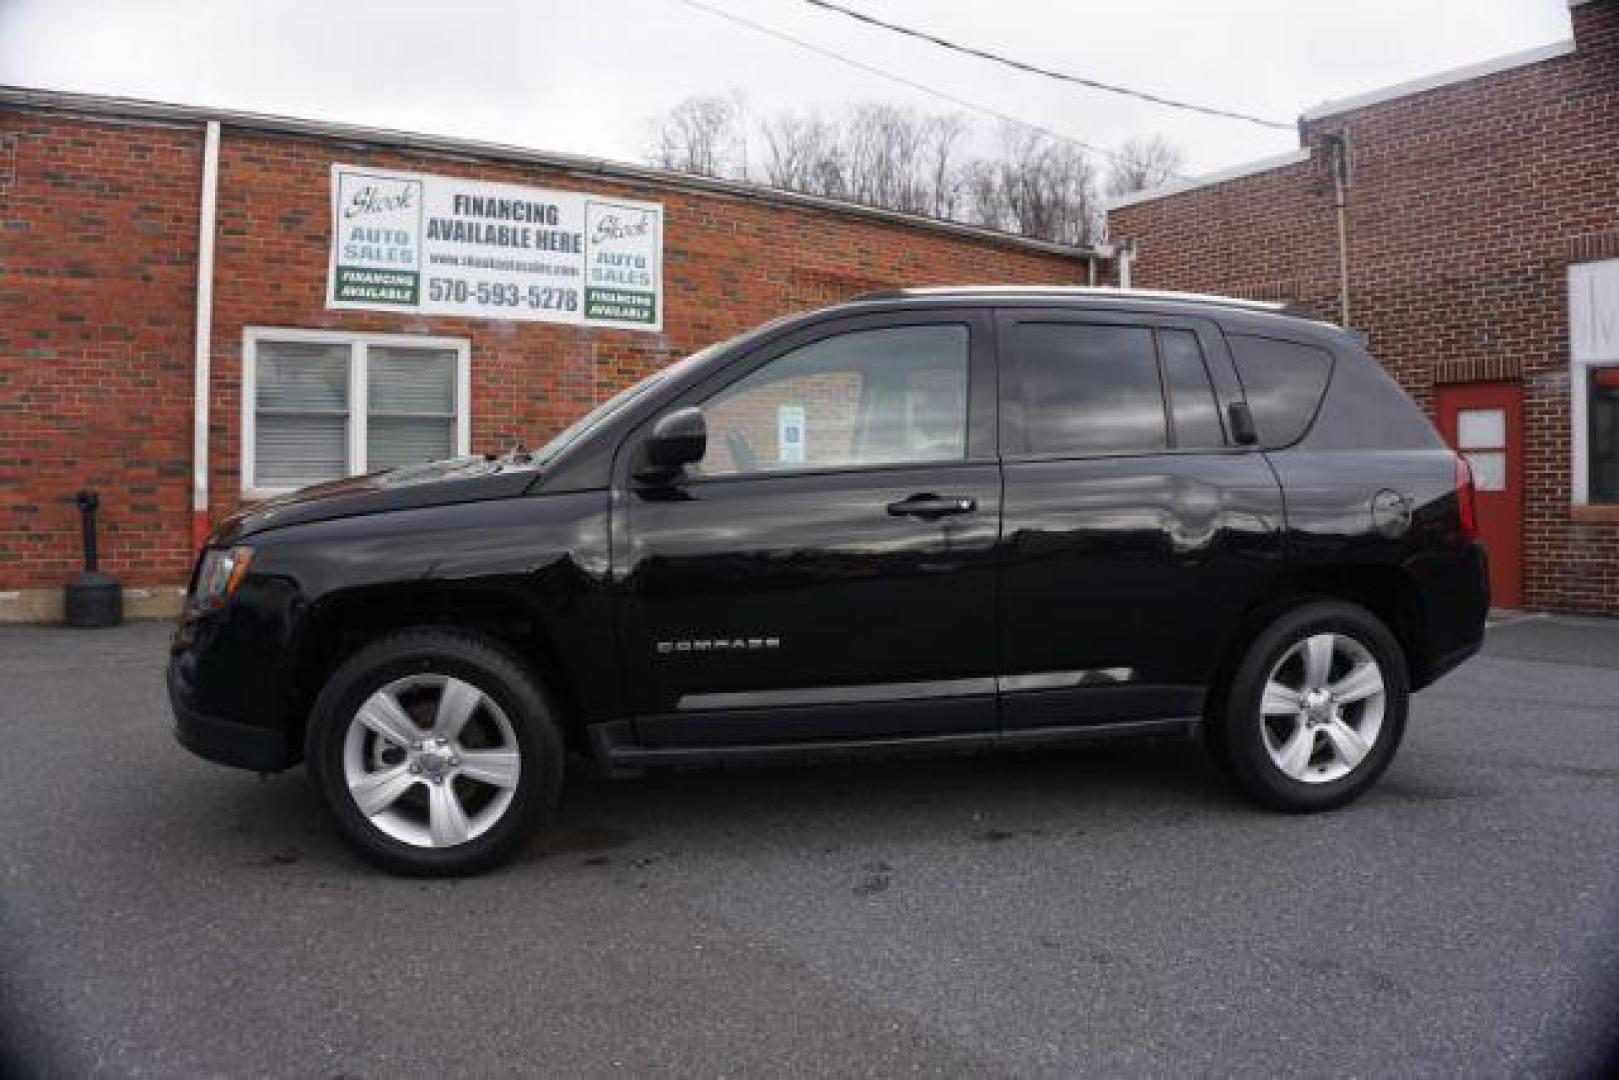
966 292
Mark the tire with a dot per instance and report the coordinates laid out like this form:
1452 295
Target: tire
450 742
1289 746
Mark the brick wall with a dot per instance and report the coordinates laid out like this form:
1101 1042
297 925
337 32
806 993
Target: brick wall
98 236
1466 207
97 273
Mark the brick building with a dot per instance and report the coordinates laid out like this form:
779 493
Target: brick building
1480 254
181 368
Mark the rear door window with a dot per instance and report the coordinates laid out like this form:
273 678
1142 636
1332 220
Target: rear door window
1090 389
1283 381
1193 412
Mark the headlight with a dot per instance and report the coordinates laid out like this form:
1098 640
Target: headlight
219 576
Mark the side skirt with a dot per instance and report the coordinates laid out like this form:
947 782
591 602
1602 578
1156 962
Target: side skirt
614 747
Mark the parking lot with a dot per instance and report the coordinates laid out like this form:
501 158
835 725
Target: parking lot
1103 912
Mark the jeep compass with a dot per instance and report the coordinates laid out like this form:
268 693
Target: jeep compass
921 520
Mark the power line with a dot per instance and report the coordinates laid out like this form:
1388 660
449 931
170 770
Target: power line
902 80
1078 80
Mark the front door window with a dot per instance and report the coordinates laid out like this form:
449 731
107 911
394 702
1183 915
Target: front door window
891 396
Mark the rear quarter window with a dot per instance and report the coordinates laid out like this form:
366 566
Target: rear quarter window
1283 381
1367 410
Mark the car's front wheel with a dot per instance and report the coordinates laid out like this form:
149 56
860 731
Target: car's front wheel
434 752
1315 710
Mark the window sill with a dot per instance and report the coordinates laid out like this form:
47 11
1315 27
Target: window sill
1595 514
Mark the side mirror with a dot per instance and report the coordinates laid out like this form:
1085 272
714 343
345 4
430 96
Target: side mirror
1243 430
678 439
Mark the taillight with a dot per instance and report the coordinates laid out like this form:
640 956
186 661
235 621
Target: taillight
1466 498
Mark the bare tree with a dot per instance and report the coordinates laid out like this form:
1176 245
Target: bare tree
1141 163
881 154
984 196
705 134
882 149
802 154
874 153
944 176
1037 186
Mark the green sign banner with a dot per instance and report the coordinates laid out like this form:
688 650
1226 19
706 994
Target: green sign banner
438 245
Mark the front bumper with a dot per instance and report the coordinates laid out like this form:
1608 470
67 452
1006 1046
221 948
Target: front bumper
225 742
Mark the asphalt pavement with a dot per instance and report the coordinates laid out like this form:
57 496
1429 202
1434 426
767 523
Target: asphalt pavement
1107 911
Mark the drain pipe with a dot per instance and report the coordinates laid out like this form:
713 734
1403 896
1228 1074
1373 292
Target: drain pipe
203 355
1100 253
1338 161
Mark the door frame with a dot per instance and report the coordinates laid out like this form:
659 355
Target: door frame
982 409
1111 689
1013 408
931 707
1507 395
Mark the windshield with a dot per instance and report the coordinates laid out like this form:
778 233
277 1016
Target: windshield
618 401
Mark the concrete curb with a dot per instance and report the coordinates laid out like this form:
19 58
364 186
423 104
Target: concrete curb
45 605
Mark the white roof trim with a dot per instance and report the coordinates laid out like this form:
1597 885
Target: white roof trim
1442 78
1101 292
1192 183
135 109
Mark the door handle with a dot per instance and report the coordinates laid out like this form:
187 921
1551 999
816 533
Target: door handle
928 506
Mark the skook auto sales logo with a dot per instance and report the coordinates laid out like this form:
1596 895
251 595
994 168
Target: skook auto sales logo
378 247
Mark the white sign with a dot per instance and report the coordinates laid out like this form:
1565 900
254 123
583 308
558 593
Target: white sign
790 435
438 245
1593 310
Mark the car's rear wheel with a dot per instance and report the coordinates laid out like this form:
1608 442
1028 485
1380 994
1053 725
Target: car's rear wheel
435 752
1315 710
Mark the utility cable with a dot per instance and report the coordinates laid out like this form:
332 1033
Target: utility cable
902 80
1034 69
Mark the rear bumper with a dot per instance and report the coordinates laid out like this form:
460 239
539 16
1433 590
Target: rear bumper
1440 666
225 742
1455 607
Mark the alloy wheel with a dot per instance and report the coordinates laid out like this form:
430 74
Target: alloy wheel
431 760
1322 708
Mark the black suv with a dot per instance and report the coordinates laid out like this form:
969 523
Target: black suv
924 519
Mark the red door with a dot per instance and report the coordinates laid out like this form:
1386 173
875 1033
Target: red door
1484 421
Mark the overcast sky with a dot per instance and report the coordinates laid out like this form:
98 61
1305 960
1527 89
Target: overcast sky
586 77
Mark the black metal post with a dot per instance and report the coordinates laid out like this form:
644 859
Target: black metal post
92 598
89 502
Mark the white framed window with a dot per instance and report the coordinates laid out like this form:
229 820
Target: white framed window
1593 307
1481 438
324 404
